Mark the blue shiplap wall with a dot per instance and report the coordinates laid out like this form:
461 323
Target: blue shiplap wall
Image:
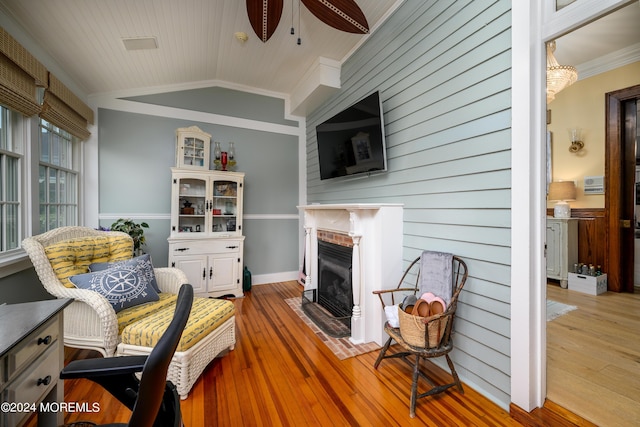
443 71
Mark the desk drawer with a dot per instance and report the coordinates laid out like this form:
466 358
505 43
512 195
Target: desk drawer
34 383
31 347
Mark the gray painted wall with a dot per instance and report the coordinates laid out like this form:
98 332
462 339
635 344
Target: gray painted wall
136 152
220 100
22 287
443 70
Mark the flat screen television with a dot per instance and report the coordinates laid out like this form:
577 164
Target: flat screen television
352 142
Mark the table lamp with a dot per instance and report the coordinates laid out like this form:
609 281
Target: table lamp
562 191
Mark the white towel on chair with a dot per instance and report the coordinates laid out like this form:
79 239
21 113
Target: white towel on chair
392 315
436 274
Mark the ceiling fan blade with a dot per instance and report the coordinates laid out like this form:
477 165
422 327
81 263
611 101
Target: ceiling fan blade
344 15
264 16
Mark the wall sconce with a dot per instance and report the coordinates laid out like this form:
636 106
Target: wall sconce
562 191
576 140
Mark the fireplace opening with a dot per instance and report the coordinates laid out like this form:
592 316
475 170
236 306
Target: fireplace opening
331 304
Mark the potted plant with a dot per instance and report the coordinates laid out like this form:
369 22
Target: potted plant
135 230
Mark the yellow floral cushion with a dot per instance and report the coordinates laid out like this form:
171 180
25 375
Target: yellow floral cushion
133 314
206 315
73 256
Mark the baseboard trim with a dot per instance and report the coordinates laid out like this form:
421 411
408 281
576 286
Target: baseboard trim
550 414
285 276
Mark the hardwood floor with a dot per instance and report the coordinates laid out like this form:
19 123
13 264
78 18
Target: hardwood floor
281 373
593 356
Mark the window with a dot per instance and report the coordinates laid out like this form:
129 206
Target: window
563 3
33 148
11 160
40 163
57 178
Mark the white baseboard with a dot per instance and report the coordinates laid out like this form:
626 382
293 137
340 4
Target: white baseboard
262 279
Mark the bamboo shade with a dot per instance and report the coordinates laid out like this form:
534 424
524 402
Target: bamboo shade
65 110
20 74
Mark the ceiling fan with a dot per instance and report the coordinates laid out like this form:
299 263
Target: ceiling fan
344 15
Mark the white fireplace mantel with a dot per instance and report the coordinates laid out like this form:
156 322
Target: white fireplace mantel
376 232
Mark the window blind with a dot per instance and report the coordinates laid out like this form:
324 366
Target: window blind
65 110
20 75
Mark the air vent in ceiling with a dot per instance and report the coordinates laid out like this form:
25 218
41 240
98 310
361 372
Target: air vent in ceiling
140 43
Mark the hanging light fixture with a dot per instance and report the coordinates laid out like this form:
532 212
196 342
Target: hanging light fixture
344 15
558 76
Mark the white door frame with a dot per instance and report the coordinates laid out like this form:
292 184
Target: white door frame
533 23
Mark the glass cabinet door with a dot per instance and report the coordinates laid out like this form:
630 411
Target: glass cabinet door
193 152
192 194
225 206
192 148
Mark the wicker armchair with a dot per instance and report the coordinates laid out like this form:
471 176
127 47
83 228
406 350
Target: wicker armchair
90 322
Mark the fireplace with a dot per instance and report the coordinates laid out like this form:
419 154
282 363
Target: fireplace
335 292
330 305
369 240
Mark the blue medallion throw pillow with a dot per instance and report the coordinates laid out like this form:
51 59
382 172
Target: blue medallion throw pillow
143 261
123 287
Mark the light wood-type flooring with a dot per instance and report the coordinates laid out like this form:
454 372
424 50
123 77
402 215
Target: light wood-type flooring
282 374
593 356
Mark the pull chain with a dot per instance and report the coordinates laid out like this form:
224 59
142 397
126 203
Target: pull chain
299 28
293 31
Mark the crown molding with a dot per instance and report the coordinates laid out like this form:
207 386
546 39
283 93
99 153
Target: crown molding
609 62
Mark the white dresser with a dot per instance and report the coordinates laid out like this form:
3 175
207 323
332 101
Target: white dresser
562 248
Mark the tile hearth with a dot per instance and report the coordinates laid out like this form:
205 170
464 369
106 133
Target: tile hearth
343 348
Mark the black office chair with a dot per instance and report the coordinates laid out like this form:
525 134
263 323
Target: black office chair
153 400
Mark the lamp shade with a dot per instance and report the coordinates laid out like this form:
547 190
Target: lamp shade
562 190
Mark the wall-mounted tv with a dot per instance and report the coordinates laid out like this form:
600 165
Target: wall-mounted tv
352 142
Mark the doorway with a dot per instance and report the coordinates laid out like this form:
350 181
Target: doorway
619 148
620 184
636 225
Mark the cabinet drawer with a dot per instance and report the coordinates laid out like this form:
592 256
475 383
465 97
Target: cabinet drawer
218 246
35 382
32 347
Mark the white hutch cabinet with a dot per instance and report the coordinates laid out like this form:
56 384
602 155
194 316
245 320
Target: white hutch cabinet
562 248
206 240
192 148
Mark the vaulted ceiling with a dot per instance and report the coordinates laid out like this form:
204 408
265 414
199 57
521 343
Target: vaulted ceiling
196 42
195 38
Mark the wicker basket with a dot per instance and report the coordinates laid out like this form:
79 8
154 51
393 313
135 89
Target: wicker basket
412 329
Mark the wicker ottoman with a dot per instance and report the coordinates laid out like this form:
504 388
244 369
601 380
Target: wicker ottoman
209 331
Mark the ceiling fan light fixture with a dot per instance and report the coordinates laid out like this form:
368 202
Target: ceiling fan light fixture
559 76
241 36
140 43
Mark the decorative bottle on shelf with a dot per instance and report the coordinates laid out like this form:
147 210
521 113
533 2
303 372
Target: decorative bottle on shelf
217 152
232 155
224 159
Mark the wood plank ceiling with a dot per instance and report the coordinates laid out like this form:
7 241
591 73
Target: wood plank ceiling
195 39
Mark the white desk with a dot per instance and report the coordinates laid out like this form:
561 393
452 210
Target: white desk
31 357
